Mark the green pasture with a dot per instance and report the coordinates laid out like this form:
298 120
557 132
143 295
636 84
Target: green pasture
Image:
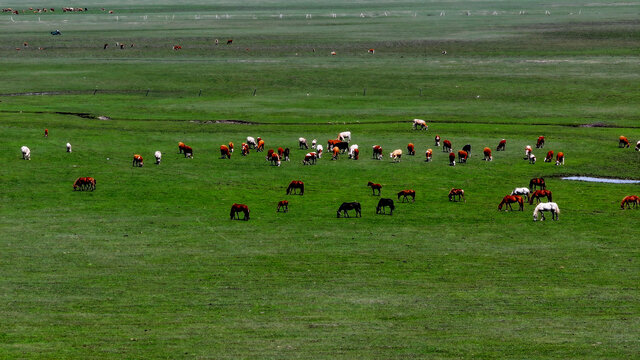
150 266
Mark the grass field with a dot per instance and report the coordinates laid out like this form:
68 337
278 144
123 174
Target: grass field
150 266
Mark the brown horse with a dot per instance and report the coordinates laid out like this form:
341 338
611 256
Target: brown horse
295 185
446 146
281 152
275 159
624 142
230 146
336 153
224 152
540 142
537 182
502 145
429 155
437 139
375 187
331 143
630 201
245 149
260 145
411 149
549 157
239 208
462 156
137 161
269 153
377 152
407 193
456 192
487 154
510 199
188 151
284 205
349 206
540 194
84 183
452 159
560 158
180 147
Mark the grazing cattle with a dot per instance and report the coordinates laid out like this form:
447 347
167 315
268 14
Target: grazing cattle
69 147
452 159
537 182
456 192
46 133
371 51
538 194
237 209
345 136
462 156
302 143
502 145
527 152
26 153
230 146
560 158
181 147
309 159
411 149
428 154
487 154
349 206
314 143
549 157
374 187
285 154
177 47
396 155
280 152
437 139
333 53
352 151
356 154
419 124
188 152
532 159
230 41
331 143
336 153
269 153
245 149
224 152
295 185
510 199
137 161
446 146
84 183
523 191
624 142
540 142
275 159
407 193
377 152
629 202
251 142
260 145
284 205
319 150
542 207
342 146
158 156
384 203
467 148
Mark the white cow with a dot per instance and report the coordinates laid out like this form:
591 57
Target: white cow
158 156
419 123
351 149
345 136
68 147
26 153
396 155
532 159
527 152
251 142
319 150
313 143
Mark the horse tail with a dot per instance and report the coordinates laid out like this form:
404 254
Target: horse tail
557 209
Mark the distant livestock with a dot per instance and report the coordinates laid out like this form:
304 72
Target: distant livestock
396 155
244 148
349 206
137 161
560 158
181 147
522 191
319 150
502 145
353 152
377 152
231 147
69 147
260 146
84 183
251 142
411 149
374 187
630 201
510 199
188 152
314 143
452 159
275 159
236 209
537 182
532 159
429 155
419 124
544 207
462 156
225 153
459 193
467 148
624 142
538 194
487 154
26 153
46 133
336 153
437 139
540 142
446 146
284 205
385 203
158 156
310 159
285 154
295 185
527 152
406 194
345 136
302 143
549 157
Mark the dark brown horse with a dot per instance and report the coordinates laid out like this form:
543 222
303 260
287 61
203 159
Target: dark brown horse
446 146
383 203
84 183
540 194
349 206
284 205
537 182
407 193
502 145
295 185
456 192
374 187
239 208
540 142
225 152
510 199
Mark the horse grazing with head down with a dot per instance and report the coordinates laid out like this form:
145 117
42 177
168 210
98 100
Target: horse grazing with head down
245 149
374 187
467 148
383 203
446 146
429 155
407 193
275 159
295 185
411 150
84 183
502 145
437 139
452 159
26 153
137 161
302 143
237 209
560 158
225 153
462 156
349 206
549 157
419 124
543 207
310 159
638 146
623 142
630 201
377 152
527 152
188 152
523 191
456 192
487 154
537 182
285 154
510 199
284 205
538 194
540 142
260 147
158 156
396 155
269 153
180 147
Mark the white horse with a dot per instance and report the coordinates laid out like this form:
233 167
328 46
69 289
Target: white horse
548 206
396 155
351 150
314 143
532 159
319 150
527 152
158 156
251 142
26 153
68 147
420 123
523 191
302 143
345 136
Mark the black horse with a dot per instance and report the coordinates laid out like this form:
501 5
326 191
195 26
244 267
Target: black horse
385 203
343 146
349 206
467 148
285 154
295 184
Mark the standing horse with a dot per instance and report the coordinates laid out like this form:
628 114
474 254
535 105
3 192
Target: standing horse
275 159
462 156
428 154
269 153
239 208
420 124
456 192
446 146
382 203
245 149
411 149
374 187
540 142
437 139
309 159
549 157
26 153
452 159
624 142
396 155
537 182
407 193
349 206
510 199
284 205
224 152
560 158
630 201
502 145
523 191
251 142
137 161
487 154
540 194
542 207
295 185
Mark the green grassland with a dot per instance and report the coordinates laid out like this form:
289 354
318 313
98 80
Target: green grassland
150 266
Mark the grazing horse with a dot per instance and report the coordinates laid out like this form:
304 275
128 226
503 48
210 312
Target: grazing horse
419 124
487 154
630 201
26 153
452 159
456 192
336 153
510 199
446 146
158 156
260 145
549 157
245 149
302 143
284 205
345 136
638 146
374 187
411 149
537 182
269 153
540 194
285 154
540 142
407 193
428 154
467 148
239 208
624 142
295 185
188 151
230 146
84 183
69 147
532 159
314 143
137 161
342 146
280 152
230 41
309 159
542 207
560 158
331 143
251 142
396 155
377 152
46 133
527 152
353 151
181 147
383 203
349 206
523 191
275 159
462 156
319 150
224 152
437 139
502 145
